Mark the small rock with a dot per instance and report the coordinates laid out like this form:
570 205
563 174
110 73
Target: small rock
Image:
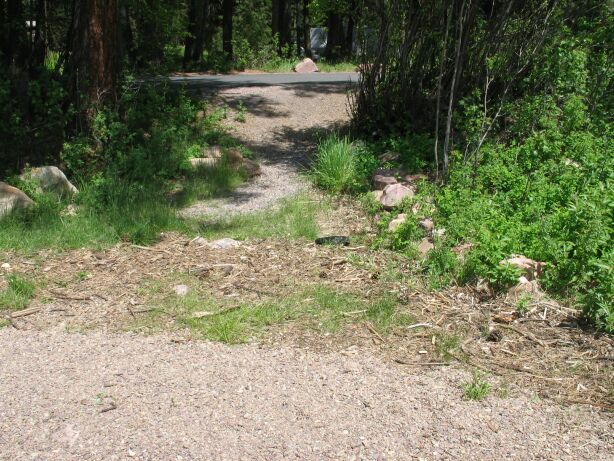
394 195
389 156
531 269
70 210
6 267
439 232
380 181
203 162
425 246
181 290
427 224
397 222
51 179
12 198
223 244
570 162
306 66
200 241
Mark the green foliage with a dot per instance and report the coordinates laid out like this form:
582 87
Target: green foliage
341 166
478 388
18 293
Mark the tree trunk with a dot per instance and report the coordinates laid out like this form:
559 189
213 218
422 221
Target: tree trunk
306 29
94 62
281 22
227 12
336 37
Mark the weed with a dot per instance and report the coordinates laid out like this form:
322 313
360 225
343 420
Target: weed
18 294
522 305
478 388
241 115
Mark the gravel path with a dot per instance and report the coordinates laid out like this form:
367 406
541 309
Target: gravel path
282 123
104 397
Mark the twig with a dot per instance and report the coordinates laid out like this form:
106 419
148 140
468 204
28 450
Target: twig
61 295
140 247
422 364
25 312
417 325
374 331
522 333
108 407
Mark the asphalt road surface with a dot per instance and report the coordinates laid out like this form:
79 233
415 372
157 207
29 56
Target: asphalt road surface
246 80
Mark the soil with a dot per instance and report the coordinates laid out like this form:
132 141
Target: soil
77 382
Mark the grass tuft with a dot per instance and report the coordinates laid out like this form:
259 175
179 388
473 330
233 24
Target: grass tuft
18 294
478 388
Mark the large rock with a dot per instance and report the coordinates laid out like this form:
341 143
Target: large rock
12 198
427 224
530 269
425 246
306 66
51 179
394 195
380 181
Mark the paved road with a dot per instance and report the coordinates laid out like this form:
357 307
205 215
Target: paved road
243 80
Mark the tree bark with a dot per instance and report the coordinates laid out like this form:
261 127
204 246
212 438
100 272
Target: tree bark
94 61
306 29
227 12
335 41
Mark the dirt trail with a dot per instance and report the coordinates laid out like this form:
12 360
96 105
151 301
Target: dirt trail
104 395
281 124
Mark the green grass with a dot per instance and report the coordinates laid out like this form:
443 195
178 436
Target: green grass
114 211
446 345
18 294
318 308
335 167
478 388
294 218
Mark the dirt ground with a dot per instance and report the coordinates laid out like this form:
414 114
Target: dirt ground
85 374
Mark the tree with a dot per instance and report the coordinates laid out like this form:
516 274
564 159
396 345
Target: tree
227 13
94 63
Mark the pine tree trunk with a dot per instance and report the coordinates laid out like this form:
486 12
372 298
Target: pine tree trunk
227 12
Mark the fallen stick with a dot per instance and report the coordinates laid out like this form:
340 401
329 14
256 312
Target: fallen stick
25 312
422 364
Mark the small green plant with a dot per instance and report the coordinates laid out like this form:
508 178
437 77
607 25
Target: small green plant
241 115
522 305
478 388
18 294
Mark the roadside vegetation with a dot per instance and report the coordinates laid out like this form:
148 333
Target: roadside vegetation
529 170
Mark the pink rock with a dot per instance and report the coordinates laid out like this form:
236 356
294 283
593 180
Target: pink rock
380 181
394 195
413 178
531 269
377 194
425 246
306 66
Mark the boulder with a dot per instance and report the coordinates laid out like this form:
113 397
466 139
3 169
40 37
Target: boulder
413 178
394 194
530 269
397 222
51 179
377 194
425 246
202 162
306 66
12 198
236 160
380 181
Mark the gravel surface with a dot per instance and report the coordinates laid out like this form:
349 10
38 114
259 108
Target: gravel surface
103 397
281 126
